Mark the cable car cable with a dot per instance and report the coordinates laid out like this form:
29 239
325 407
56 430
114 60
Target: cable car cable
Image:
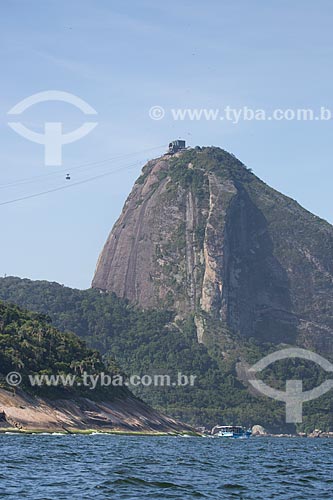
60 188
29 180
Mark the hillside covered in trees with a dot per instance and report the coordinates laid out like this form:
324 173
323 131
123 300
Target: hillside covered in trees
30 345
153 342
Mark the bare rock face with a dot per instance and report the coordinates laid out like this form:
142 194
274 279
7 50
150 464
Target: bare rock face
201 234
258 430
23 412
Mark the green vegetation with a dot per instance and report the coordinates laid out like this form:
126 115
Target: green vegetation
208 159
151 342
30 345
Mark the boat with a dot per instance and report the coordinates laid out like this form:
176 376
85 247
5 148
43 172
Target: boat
231 431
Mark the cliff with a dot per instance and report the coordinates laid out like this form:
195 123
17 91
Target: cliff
201 234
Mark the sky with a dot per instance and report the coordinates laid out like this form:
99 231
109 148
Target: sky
123 58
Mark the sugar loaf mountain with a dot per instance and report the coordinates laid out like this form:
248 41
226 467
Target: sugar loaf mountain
207 270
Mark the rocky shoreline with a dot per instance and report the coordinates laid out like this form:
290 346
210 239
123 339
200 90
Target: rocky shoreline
21 412
259 431
313 434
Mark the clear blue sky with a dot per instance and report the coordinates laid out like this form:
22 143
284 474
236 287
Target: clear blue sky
124 57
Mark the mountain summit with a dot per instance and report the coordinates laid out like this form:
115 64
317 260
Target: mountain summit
201 235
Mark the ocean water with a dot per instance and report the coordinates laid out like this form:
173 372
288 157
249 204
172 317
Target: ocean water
42 467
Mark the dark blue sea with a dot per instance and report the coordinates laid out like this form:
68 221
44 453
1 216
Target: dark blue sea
42 467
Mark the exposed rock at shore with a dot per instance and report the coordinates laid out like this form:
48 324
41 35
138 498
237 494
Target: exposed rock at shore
28 413
259 430
317 433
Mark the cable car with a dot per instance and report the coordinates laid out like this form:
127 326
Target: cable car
68 177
